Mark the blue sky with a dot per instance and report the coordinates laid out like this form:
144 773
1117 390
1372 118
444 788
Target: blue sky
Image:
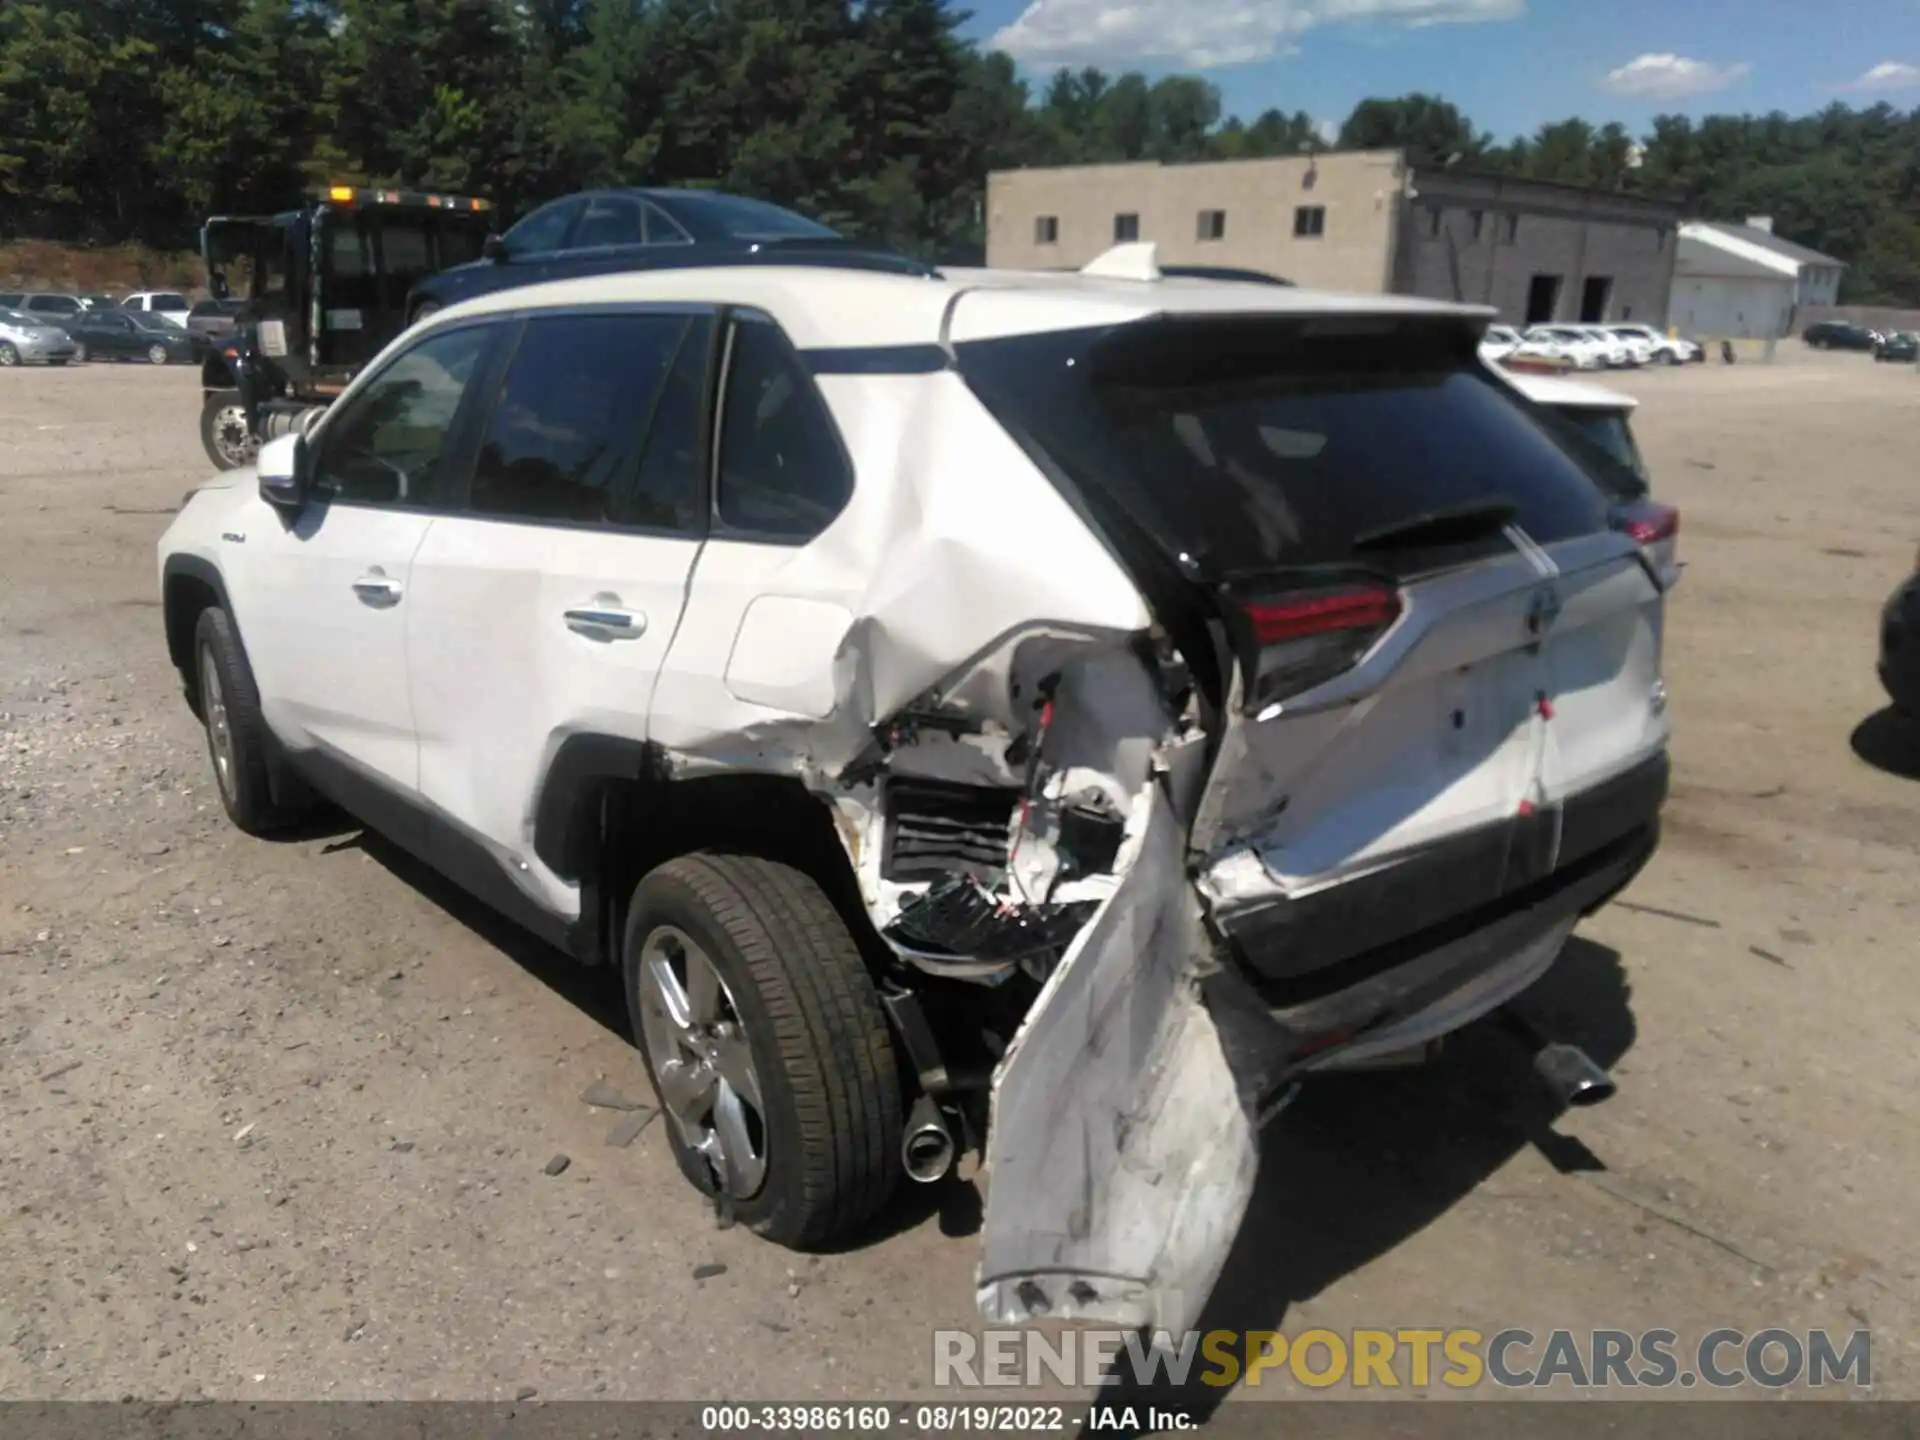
1509 64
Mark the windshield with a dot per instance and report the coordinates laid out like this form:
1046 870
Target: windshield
737 218
14 317
1246 446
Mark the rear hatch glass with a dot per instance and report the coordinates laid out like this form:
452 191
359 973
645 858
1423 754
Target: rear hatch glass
1246 446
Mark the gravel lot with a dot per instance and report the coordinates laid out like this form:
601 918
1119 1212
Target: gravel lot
275 1118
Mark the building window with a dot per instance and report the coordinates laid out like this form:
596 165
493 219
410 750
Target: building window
1510 230
1046 230
1479 223
1125 228
1213 225
1433 222
1309 221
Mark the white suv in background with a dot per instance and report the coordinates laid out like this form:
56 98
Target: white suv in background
167 304
956 701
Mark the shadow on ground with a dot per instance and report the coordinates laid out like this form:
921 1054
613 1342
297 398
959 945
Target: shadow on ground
1890 742
1361 1162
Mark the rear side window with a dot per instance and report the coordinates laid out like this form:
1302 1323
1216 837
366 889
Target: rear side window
783 475
54 304
563 435
1246 446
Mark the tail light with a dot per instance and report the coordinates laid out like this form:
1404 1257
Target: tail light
1302 639
1647 522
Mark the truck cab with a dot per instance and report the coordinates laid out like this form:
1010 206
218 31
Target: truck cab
323 289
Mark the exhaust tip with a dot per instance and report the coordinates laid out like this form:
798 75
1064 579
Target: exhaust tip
927 1148
1572 1076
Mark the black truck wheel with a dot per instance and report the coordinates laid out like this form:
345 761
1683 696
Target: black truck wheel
223 430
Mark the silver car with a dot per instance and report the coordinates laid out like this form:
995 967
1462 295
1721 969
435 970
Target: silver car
28 340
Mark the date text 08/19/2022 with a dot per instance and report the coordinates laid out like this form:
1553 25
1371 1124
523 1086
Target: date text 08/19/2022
935 1419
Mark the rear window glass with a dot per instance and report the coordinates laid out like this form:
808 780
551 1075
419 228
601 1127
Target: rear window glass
1244 446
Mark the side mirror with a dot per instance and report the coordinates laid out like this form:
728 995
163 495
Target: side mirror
283 472
493 248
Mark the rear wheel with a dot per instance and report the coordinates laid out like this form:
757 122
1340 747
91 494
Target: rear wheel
767 1044
157 354
224 433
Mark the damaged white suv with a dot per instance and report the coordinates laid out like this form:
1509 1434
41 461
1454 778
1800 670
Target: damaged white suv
1046 714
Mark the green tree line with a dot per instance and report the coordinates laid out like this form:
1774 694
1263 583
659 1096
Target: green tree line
134 119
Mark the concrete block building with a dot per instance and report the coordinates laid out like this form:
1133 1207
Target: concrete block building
1358 221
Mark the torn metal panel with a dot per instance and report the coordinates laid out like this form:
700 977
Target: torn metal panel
1120 1158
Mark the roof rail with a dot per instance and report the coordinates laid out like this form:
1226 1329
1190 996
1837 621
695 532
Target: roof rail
701 255
1223 272
1135 260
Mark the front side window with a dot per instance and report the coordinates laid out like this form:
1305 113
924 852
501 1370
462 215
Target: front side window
169 301
609 220
54 304
388 445
782 474
577 398
545 229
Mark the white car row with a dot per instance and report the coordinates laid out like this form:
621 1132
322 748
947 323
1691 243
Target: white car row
1590 347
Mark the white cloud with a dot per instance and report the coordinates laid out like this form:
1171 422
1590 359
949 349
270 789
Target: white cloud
1204 33
1889 75
1671 77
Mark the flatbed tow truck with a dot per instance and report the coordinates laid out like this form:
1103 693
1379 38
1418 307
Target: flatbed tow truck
325 288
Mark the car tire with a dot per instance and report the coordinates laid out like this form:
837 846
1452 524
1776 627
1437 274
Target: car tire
237 738
8 355
79 352
157 355
793 997
223 430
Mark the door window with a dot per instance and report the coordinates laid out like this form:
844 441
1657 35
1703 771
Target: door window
389 445
783 474
544 230
610 220
562 437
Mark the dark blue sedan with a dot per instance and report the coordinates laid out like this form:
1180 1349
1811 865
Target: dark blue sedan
597 232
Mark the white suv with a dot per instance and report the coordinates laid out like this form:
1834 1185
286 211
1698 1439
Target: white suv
956 702
166 304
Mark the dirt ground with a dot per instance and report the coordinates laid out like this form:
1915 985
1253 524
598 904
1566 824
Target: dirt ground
275 1118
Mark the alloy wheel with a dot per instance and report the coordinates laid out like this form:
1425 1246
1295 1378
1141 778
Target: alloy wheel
696 1038
213 705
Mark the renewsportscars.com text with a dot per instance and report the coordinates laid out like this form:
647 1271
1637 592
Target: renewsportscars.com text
1317 1359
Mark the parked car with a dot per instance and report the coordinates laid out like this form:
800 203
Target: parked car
1499 342
1661 349
1837 335
133 335
169 305
214 319
28 340
43 304
1604 419
1571 344
957 692
1900 645
1620 355
599 232
1902 345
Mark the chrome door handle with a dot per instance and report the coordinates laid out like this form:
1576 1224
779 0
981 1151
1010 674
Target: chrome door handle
376 588
602 621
